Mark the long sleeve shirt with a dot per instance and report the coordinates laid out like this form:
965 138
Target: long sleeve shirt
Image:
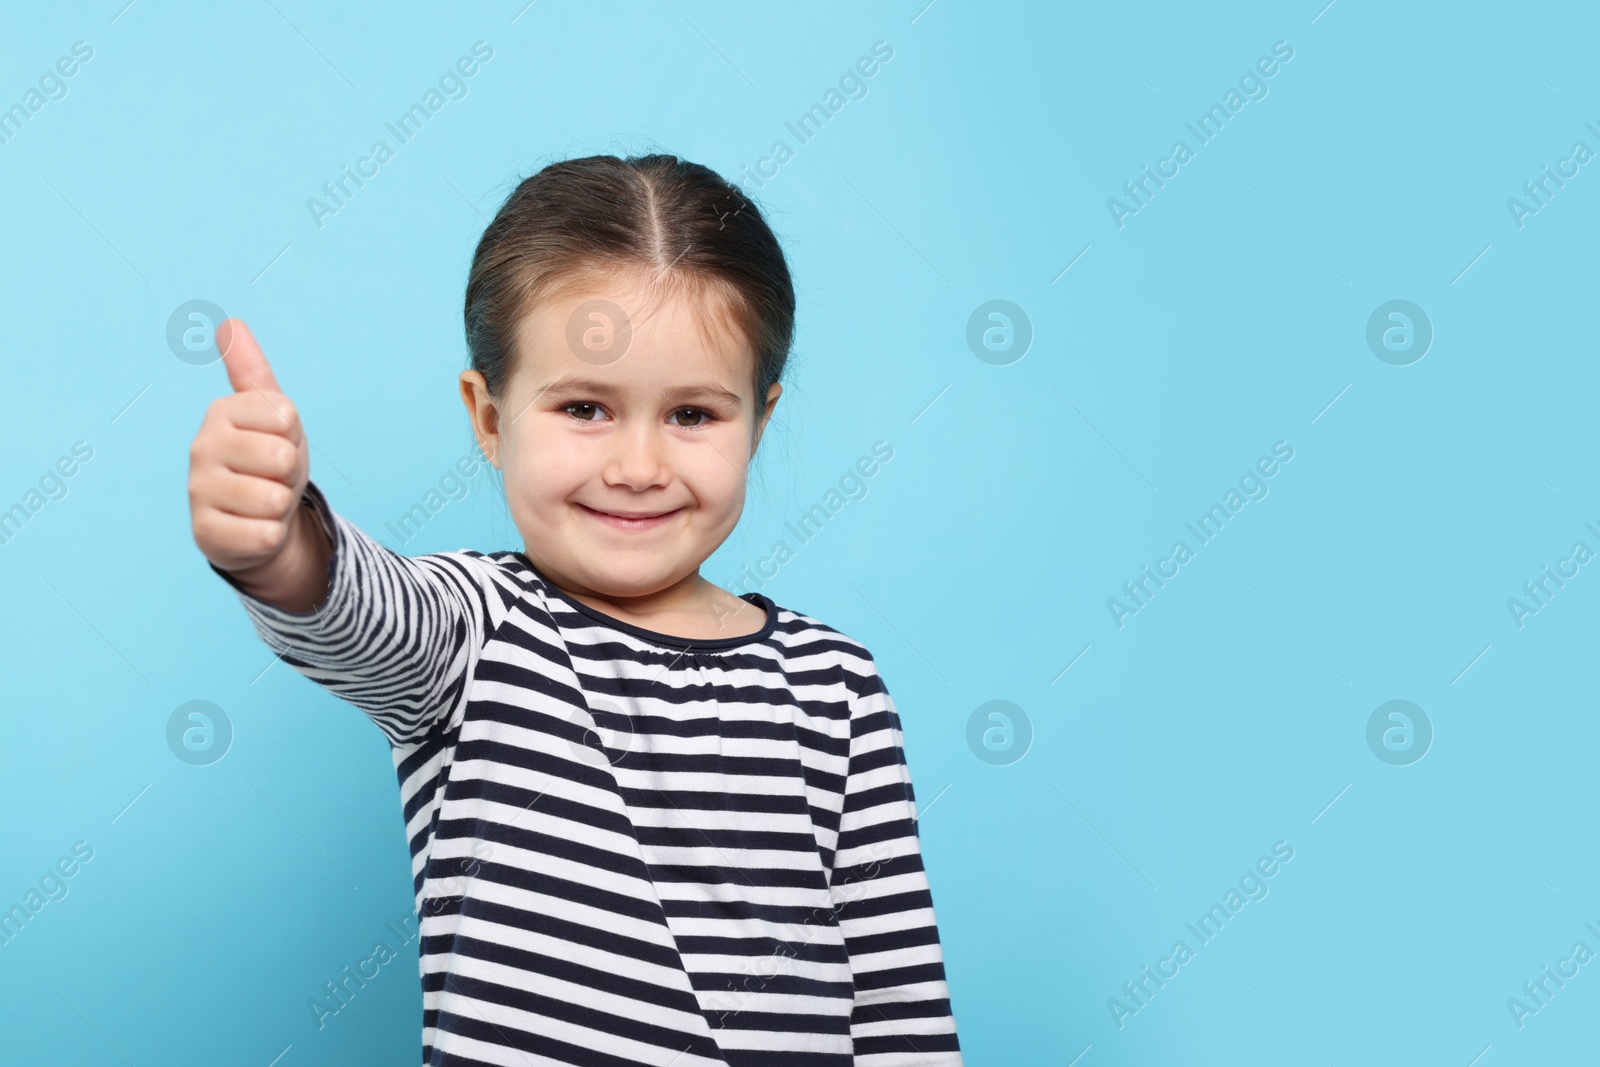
630 847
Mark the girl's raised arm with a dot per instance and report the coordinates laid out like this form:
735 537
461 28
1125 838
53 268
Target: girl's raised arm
395 636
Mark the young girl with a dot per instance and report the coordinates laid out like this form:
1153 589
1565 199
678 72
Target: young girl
651 822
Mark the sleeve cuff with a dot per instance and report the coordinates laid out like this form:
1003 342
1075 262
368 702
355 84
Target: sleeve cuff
312 498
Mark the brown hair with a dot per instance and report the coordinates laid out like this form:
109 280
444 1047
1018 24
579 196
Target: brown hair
679 222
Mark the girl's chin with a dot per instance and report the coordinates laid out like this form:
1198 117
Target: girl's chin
628 574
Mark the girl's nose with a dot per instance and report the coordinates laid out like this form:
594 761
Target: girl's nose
635 460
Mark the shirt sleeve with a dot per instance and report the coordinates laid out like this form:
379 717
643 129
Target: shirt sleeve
397 636
881 897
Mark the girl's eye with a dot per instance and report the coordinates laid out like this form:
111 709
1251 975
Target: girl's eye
701 417
587 411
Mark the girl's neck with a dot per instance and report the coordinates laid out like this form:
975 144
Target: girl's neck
694 609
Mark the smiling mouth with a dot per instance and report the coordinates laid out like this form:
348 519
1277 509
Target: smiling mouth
641 521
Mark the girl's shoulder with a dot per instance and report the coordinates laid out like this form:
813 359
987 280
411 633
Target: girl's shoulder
814 644
795 634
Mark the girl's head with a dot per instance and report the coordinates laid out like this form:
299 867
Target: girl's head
628 321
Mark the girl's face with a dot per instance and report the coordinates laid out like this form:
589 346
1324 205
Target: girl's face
624 443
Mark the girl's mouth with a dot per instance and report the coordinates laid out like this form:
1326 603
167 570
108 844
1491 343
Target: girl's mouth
639 521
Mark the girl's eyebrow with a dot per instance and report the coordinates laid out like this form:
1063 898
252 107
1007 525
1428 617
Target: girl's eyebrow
570 383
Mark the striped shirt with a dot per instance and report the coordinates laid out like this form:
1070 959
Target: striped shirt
629 847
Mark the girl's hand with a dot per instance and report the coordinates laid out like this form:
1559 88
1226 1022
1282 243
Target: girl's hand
248 467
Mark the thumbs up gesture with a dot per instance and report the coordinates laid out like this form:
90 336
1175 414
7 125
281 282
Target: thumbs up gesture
248 467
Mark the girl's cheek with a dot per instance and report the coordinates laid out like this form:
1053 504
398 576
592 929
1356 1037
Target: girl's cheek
547 464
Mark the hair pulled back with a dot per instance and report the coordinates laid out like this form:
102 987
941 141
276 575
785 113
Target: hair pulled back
679 223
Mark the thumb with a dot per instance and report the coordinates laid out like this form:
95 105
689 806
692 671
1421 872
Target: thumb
247 366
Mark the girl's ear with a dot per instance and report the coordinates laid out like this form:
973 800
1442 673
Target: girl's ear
483 413
773 392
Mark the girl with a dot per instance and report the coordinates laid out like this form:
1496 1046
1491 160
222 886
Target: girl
650 821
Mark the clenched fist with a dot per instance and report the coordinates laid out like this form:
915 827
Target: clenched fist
248 467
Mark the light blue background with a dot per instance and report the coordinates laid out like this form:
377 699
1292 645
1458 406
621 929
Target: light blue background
1223 317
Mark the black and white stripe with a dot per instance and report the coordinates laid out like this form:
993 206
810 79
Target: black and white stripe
630 848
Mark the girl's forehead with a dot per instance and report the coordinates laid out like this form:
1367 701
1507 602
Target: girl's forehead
671 306
625 333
